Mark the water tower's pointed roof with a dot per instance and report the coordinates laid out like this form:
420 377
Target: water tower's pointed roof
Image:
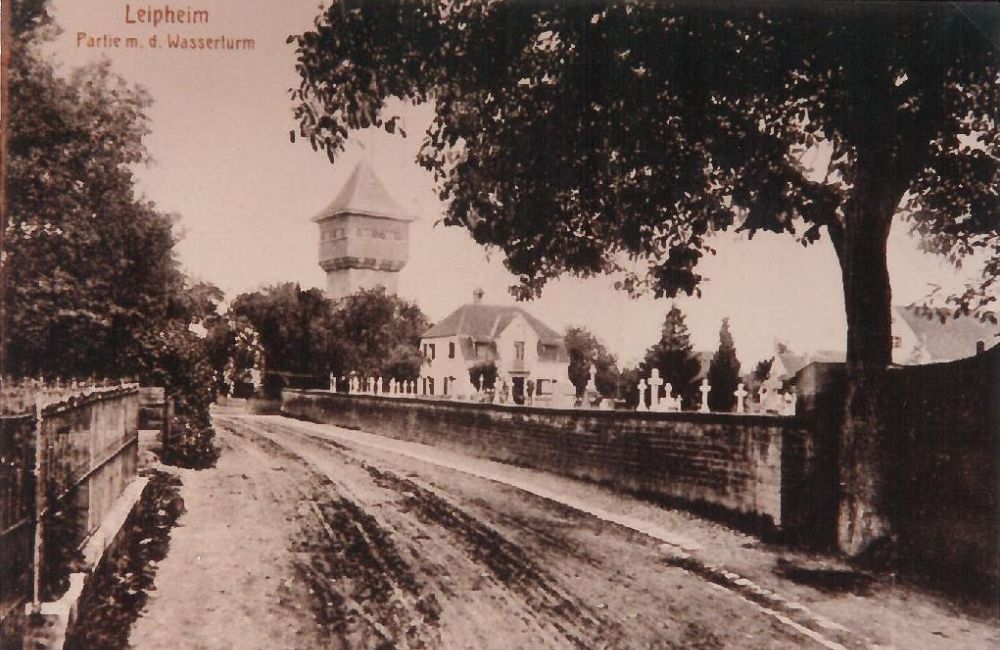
364 193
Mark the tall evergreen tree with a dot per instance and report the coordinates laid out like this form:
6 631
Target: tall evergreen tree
673 357
724 372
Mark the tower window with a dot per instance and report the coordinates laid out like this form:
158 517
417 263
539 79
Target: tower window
451 350
519 350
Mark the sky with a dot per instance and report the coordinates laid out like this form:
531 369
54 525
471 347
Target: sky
224 162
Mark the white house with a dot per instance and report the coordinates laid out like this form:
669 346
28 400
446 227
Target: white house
524 350
916 340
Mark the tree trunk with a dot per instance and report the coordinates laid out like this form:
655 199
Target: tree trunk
864 454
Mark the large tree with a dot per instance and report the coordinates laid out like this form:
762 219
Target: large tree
377 335
579 136
586 350
91 285
294 325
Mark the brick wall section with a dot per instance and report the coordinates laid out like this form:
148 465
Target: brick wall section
723 461
946 433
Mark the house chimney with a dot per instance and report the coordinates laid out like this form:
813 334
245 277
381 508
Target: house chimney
477 295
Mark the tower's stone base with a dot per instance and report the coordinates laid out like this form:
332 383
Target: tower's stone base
344 282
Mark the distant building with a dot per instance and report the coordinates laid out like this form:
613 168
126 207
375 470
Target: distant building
917 339
363 236
524 349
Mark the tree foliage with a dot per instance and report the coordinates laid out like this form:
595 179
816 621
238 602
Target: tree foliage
672 355
761 372
377 335
585 349
724 372
91 286
483 374
295 326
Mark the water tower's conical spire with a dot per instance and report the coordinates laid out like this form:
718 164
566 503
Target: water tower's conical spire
364 236
363 193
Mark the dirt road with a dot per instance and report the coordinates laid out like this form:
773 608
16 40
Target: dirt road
344 545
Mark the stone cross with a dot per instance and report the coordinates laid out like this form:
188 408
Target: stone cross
642 396
333 383
371 385
741 395
673 403
413 386
705 390
654 389
481 383
592 382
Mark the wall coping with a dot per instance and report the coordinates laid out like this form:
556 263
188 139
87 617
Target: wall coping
664 416
90 397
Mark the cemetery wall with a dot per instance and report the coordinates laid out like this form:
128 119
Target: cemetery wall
727 463
946 433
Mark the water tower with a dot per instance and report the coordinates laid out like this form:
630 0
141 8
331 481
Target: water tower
364 236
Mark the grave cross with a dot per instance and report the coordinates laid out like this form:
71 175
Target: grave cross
705 390
673 403
642 396
654 390
741 395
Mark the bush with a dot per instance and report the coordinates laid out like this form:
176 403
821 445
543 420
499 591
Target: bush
190 444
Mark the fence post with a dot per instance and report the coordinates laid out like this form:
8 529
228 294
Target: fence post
41 502
168 418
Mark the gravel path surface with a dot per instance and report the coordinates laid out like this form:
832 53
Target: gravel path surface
310 536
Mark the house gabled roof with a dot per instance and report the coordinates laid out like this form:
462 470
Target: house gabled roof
793 362
483 323
364 194
955 338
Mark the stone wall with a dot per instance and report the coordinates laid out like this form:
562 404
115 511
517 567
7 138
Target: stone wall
727 463
946 436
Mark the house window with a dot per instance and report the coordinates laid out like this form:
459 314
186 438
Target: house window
897 342
519 350
431 346
430 383
451 350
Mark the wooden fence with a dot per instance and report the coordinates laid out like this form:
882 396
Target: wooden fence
62 467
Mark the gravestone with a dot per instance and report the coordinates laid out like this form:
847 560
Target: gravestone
741 394
654 383
705 390
642 396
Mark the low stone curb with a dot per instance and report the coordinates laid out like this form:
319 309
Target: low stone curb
48 625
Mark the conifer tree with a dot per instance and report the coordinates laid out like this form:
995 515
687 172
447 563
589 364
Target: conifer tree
673 357
724 372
